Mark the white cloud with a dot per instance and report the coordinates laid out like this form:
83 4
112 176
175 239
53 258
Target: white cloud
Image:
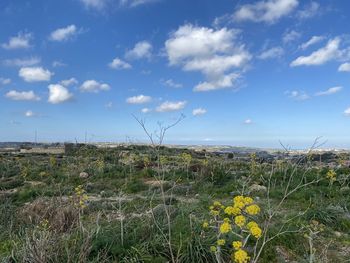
298 95
329 91
101 5
94 86
140 99
146 110
95 4
69 82
29 114
347 112
117 63
199 111
211 52
215 65
224 82
248 121
171 106
135 3
18 42
58 94
22 62
22 95
142 49
309 11
290 36
34 74
57 64
345 67
64 33
171 83
5 81
190 42
268 11
313 40
274 52
329 52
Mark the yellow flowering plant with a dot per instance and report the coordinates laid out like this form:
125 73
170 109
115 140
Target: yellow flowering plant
80 198
331 176
234 224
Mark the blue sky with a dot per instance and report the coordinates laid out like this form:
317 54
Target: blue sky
249 73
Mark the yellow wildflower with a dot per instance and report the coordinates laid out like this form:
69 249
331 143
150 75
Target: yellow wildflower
252 209
221 242
214 212
205 224
248 200
331 175
230 210
256 231
252 224
238 201
213 248
217 204
240 220
241 256
225 228
237 245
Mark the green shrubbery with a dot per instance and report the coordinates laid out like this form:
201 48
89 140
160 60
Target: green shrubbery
141 209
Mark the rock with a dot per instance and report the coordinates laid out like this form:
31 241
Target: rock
84 175
257 188
337 234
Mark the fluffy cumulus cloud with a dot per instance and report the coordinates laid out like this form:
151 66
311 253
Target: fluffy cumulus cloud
347 112
117 63
142 49
268 11
168 106
69 82
274 52
329 91
22 95
312 41
64 33
199 111
214 53
58 94
319 57
94 86
22 62
22 40
35 74
140 99
5 81
345 67
171 83
225 81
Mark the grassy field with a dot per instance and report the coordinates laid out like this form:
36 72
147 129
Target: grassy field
146 204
